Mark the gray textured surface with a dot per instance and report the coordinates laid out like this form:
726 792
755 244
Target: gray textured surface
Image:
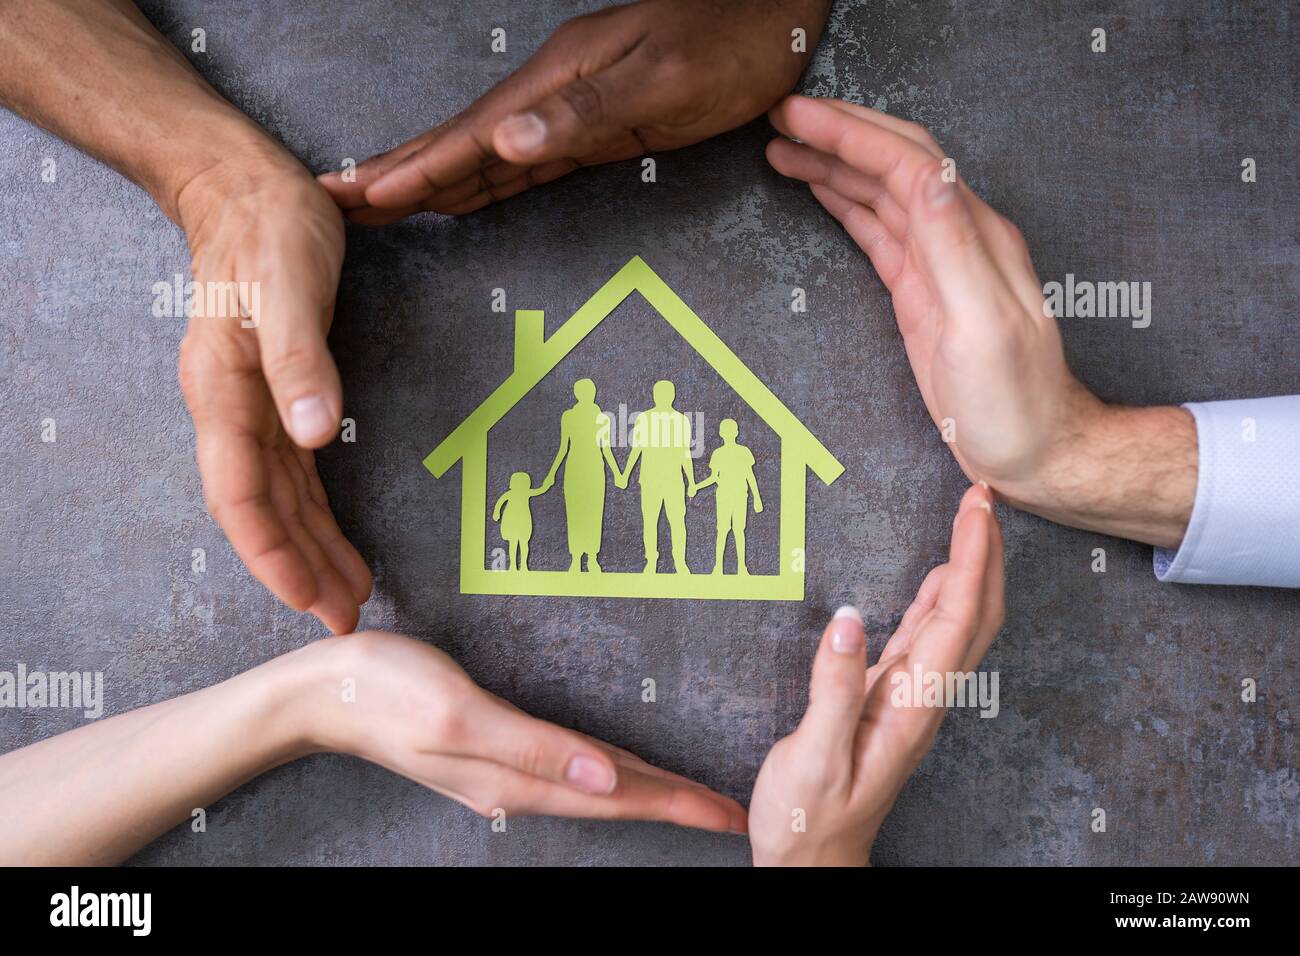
1116 691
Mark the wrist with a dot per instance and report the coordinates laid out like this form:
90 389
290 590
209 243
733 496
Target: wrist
845 852
291 691
1062 459
1130 472
249 157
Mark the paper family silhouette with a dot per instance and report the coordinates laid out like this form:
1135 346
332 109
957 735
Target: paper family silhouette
660 458
661 445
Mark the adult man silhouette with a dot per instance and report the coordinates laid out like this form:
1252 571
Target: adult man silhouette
584 441
661 442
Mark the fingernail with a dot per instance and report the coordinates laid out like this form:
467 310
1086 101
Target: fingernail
986 506
846 630
523 132
938 190
590 775
984 484
310 419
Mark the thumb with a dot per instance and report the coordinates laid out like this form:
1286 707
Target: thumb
838 685
540 749
951 244
299 369
584 118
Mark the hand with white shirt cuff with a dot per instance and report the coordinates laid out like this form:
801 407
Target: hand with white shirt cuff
990 366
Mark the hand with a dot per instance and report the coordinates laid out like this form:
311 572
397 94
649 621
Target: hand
262 387
548 484
388 699
758 505
609 86
986 354
843 767
620 480
414 711
692 488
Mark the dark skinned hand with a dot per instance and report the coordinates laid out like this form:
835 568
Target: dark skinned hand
646 77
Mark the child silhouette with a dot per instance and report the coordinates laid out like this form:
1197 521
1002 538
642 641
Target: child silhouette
731 468
517 526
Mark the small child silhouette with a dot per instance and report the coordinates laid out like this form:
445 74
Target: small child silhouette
731 468
517 526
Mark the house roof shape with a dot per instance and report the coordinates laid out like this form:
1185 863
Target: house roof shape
546 354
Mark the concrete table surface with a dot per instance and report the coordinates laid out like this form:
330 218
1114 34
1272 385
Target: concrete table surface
1115 691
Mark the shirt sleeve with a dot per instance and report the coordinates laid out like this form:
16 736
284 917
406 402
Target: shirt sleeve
1245 525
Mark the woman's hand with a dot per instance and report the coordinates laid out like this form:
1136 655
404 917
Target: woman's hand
407 706
644 77
823 792
97 794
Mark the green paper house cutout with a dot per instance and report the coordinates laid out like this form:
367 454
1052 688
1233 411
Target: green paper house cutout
535 357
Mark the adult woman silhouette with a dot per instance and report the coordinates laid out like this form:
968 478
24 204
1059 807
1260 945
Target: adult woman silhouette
584 442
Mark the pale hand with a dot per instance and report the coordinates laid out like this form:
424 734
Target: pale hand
824 791
986 353
261 385
407 706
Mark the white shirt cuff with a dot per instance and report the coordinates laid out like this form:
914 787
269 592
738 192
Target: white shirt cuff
1245 525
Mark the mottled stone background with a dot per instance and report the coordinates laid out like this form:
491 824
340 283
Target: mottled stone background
1116 691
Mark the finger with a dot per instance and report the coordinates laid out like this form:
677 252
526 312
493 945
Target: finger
296 360
957 260
994 599
904 157
891 153
494 173
588 115
449 201
802 162
319 520
954 251
342 578
917 134
342 556
238 492
233 419
898 162
456 149
942 645
638 796
926 595
1008 247
366 215
836 690
868 231
496 181
508 736
351 195
902 127
334 604
616 753
643 796
625 758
